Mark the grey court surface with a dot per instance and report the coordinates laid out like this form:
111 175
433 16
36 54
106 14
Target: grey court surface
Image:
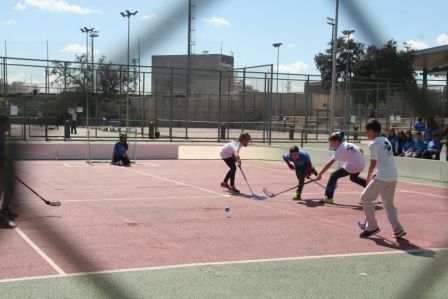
416 274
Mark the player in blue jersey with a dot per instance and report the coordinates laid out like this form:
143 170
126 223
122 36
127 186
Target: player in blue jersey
300 161
120 153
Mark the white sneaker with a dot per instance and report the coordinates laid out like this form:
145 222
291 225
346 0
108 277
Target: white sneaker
120 163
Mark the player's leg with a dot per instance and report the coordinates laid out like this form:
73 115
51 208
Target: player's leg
334 177
368 196
300 174
7 187
126 161
115 160
355 178
230 162
387 198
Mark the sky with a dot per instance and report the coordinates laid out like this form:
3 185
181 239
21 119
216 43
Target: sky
246 29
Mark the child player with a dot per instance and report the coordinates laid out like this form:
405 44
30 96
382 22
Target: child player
301 163
120 153
230 153
383 184
345 152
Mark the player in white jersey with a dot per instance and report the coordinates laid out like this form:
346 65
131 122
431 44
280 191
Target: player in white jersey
345 152
382 184
230 153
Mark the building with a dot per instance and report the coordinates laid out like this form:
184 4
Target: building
205 71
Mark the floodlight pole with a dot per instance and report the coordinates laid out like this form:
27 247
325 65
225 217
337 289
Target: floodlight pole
92 35
86 31
347 77
128 14
277 45
333 73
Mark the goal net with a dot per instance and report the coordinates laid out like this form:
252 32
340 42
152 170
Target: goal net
100 143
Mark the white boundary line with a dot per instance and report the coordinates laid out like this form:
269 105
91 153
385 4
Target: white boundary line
39 251
176 182
228 263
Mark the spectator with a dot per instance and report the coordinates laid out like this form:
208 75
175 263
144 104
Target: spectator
407 143
418 146
280 117
393 139
443 133
431 127
73 127
401 137
420 126
433 150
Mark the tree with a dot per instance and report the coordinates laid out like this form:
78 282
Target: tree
78 75
368 69
324 61
384 70
110 80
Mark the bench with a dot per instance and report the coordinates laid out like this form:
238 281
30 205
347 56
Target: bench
112 124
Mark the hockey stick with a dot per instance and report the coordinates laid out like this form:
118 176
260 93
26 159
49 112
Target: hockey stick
253 195
50 203
330 189
362 225
271 194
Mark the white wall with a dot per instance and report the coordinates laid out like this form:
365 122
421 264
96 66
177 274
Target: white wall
407 167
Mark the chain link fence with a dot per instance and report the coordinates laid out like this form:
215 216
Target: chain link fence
202 104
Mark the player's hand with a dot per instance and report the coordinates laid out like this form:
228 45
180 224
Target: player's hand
308 177
239 163
291 166
318 177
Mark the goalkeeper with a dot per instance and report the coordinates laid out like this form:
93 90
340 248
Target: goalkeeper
120 153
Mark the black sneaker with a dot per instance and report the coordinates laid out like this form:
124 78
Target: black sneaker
400 234
366 233
233 189
8 213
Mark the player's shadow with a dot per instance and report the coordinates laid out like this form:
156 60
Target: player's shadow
404 245
358 207
310 203
314 203
240 194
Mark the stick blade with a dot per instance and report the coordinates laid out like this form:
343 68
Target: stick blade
268 193
53 203
361 225
257 197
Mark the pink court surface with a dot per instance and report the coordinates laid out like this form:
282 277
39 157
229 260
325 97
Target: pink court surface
159 229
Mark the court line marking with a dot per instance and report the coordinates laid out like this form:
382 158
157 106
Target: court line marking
422 193
68 165
39 251
138 198
176 182
126 199
179 266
